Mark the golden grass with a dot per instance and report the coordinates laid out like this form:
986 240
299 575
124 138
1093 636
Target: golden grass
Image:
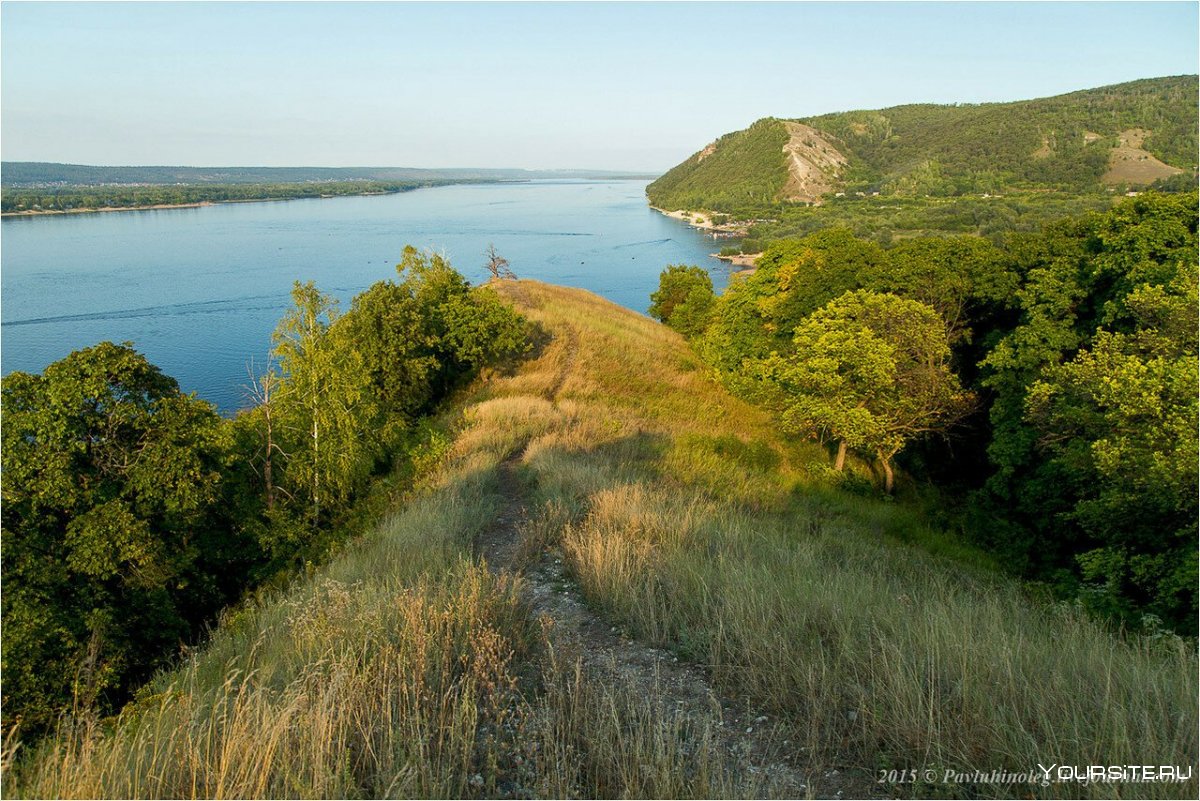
401 669
686 518
404 669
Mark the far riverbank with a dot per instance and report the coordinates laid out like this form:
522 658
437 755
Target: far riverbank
195 205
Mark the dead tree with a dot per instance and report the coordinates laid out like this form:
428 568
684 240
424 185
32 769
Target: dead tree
497 265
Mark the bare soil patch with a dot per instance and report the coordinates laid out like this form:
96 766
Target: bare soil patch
739 259
1129 163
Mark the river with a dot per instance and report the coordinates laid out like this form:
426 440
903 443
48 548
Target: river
199 290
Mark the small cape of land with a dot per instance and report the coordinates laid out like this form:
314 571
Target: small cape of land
738 259
153 207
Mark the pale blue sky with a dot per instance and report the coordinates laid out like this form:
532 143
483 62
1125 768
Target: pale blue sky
541 85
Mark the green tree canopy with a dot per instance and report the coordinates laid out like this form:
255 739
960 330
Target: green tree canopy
325 404
1092 397
684 299
796 277
110 479
870 370
952 275
1119 420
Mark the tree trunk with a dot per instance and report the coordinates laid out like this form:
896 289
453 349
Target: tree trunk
889 480
267 476
840 461
316 473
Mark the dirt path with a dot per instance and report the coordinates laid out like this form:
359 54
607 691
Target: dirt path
751 741
747 739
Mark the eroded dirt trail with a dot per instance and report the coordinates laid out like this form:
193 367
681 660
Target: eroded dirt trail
750 742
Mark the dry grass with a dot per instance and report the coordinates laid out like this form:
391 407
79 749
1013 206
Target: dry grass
404 669
685 518
401 669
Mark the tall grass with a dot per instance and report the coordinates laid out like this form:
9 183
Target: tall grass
699 530
879 654
404 668
369 679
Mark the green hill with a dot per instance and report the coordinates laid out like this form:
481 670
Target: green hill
676 605
1128 134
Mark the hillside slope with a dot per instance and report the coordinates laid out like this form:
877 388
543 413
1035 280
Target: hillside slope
609 474
1128 134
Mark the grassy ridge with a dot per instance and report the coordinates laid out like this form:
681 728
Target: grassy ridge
405 669
687 519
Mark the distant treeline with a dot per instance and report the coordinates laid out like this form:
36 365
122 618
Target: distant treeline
1057 369
34 174
98 197
133 513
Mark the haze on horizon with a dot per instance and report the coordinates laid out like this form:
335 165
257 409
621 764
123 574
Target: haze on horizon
538 86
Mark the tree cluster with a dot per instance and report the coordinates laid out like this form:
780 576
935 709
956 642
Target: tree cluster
132 512
1069 355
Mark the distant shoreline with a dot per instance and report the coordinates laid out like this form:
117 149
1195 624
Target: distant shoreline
196 205
202 203
101 209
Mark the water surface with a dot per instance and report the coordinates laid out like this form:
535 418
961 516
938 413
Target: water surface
200 290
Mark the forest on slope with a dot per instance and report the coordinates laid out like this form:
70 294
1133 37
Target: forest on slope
1058 371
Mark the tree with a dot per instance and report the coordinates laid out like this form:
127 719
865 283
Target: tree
481 330
1119 420
692 316
325 405
111 525
263 390
497 265
674 285
423 335
869 370
684 299
392 332
1084 280
467 327
794 278
953 275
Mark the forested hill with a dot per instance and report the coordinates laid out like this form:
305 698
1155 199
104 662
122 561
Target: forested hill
1130 134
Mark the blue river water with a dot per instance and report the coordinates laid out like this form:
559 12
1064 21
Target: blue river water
198 291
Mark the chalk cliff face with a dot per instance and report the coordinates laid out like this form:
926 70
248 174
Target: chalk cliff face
814 164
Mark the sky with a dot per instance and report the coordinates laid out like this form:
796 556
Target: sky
622 86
